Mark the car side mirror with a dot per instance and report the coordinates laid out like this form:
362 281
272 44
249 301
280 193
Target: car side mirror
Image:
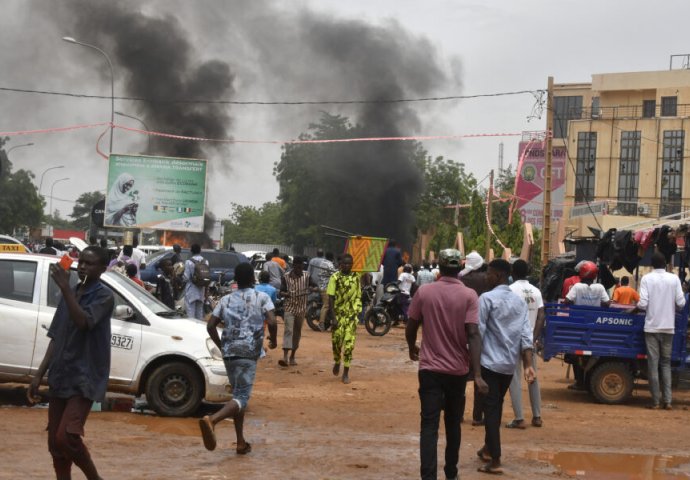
123 312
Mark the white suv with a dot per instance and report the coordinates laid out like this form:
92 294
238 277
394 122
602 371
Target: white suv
153 351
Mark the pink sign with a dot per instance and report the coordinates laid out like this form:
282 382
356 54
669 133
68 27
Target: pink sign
529 182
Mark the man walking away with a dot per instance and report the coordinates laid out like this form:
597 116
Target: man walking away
164 284
535 306
660 295
625 294
194 289
77 361
424 275
320 270
275 271
243 313
448 314
506 335
392 259
345 302
49 248
294 289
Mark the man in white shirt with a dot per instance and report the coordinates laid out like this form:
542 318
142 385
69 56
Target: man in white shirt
535 308
138 257
588 293
585 293
660 295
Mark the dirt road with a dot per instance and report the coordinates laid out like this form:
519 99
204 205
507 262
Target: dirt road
304 423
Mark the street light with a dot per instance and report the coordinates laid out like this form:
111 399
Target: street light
44 172
146 127
51 193
17 146
112 83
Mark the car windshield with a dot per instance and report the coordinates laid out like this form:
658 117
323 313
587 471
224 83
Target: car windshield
151 258
151 302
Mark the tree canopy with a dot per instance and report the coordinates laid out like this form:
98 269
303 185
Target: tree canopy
81 212
251 224
20 203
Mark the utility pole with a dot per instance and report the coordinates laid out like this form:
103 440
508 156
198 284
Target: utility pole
488 214
546 222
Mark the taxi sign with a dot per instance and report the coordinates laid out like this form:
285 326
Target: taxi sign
12 248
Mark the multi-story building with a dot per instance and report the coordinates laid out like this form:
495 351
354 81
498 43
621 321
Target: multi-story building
625 141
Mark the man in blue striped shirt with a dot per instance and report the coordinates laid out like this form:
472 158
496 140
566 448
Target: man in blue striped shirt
506 335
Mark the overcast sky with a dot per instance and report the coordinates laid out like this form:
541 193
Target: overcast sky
484 46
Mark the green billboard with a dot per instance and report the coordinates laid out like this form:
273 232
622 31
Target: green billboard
156 192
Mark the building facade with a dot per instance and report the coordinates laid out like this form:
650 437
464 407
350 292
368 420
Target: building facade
625 140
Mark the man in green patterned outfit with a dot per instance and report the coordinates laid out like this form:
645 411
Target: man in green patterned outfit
345 301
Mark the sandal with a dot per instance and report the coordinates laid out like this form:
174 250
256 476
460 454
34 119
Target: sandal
536 422
520 424
243 451
483 455
207 433
282 363
489 469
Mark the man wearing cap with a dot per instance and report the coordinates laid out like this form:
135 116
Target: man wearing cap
474 277
448 313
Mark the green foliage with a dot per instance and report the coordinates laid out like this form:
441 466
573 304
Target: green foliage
81 212
61 223
251 224
20 203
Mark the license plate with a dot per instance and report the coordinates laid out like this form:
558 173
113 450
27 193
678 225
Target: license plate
121 341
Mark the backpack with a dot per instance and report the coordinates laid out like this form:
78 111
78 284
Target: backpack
202 273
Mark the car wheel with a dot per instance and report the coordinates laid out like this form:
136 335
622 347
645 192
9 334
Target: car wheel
174 389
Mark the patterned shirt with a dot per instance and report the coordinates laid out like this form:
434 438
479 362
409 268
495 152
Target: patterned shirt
298 289
348 294
243 312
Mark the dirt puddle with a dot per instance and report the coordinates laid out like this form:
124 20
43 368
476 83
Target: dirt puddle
616 466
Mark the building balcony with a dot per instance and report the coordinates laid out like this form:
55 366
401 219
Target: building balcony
623 112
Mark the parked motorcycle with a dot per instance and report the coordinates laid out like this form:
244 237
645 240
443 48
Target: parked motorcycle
314 306
387 310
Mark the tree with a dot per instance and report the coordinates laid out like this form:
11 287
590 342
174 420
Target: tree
20 203
445 183
56 221
251 224
81 212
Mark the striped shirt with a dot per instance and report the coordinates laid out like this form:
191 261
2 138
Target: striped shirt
298 288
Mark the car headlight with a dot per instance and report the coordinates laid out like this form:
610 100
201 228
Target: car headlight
213 350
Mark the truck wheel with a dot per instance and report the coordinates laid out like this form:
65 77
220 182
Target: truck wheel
611 382
174 389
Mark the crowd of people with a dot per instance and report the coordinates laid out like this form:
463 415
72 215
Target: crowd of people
480 322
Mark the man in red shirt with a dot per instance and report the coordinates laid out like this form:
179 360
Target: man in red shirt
570 281
448 312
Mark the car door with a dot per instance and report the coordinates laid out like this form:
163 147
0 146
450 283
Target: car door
18 313
125 337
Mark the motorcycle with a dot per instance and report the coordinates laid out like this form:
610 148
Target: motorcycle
387 310
314 306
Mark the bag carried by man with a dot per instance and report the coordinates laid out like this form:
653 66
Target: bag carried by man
202 273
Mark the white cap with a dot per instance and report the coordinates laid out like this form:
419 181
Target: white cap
473 262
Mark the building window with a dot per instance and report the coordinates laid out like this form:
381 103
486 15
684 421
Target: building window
649 108
596 110
669 106
565 109
586 163
672 172
629 172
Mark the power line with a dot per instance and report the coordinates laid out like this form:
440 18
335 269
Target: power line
253 102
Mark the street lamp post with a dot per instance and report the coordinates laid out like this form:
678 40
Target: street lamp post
51 193
112 83
43 174
146 127
18 146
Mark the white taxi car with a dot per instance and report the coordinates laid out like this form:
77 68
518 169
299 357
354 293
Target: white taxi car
153 350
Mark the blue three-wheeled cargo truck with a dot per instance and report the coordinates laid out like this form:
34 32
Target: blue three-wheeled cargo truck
609 345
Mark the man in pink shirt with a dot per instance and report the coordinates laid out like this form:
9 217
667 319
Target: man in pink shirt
448 312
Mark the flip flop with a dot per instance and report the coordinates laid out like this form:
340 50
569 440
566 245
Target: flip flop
207 433
243 451
483 456
293 363
490 470
282 363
